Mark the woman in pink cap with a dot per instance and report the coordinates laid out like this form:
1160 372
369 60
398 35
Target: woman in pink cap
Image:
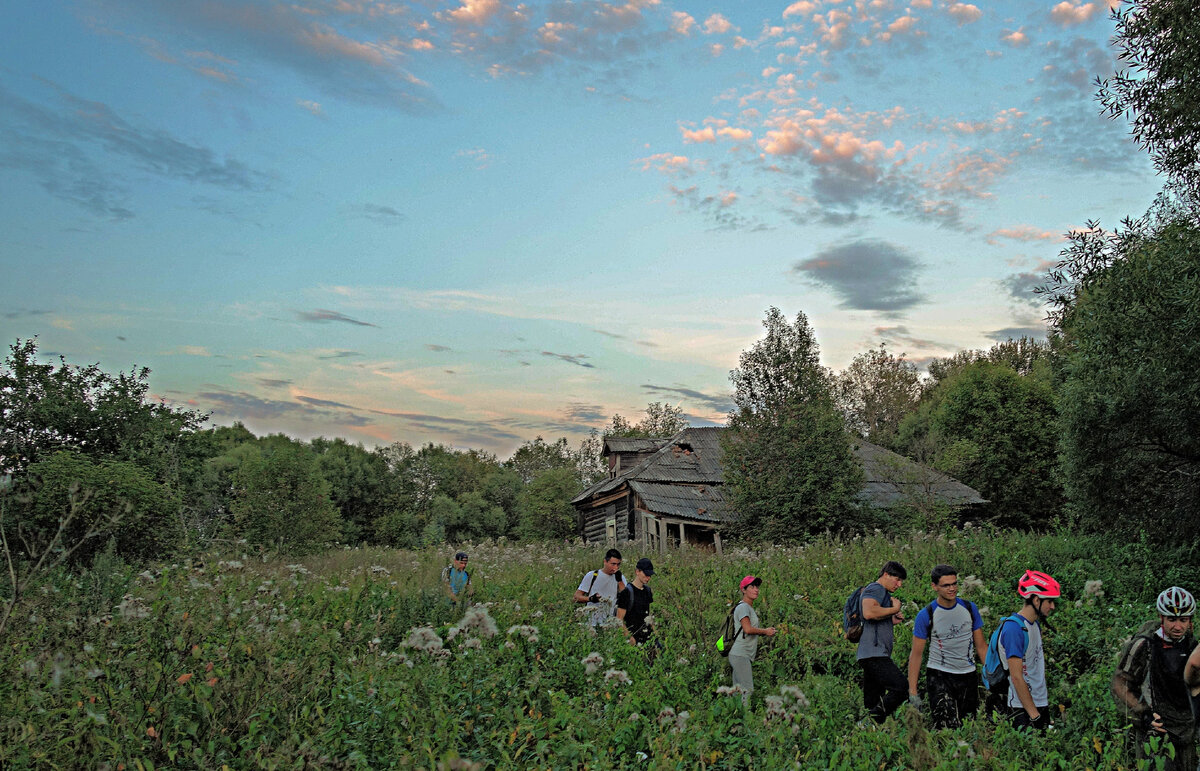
745 639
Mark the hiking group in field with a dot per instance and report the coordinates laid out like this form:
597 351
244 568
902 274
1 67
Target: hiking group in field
1156 682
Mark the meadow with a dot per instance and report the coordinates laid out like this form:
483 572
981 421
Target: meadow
351 659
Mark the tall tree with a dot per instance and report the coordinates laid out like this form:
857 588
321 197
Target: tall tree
994 430
1130 321
282 501
875 392
661 420
1158 41
787 460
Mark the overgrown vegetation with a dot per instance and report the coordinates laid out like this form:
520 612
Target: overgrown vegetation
351 659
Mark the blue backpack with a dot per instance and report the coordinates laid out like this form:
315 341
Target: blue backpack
995 667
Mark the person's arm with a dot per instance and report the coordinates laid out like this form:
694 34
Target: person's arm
873 611
980 645
914 664
1191 672
470 586
1016 677
747 628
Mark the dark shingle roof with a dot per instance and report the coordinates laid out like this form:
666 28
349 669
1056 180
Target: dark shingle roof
631 444
684 475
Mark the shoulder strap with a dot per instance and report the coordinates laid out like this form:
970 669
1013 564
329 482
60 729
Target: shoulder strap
595 575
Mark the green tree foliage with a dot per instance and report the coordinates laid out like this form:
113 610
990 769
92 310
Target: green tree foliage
661 420
875 392
994 430
787 460
70 502
1159 91
544 506
45 408
535 457
357 484
1131 397
1025 356
281 499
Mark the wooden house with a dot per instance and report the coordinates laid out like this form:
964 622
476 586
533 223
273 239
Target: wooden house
669 491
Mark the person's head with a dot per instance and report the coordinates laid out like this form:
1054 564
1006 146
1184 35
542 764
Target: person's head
644 569
945 582
749 586
1040 590
460 560
892 575
612 561
1176 606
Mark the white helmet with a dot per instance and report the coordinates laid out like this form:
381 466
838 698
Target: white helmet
1176 601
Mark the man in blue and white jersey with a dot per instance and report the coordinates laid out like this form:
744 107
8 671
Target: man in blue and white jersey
952 629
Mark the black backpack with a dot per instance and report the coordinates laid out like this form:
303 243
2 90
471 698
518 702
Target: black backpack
729 632
852 617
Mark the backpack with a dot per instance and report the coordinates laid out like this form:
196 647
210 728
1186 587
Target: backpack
852 616
995 667
729 632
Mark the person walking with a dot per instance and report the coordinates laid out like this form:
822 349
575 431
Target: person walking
598 589
1020 646
456 581
952 628
633 604
1150 685
884 687
745 646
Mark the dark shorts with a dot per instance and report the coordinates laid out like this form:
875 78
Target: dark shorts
952 697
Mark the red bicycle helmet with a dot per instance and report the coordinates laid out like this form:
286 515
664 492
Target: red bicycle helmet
1035 583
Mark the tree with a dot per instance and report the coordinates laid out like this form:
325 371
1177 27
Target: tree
533 458
787 460
544 506
662 420
875 393
45 408
994 430
356 484
71 503
1131 398
282 501
1024 356
1159 42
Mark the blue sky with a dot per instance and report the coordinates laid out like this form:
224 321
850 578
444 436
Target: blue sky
477 222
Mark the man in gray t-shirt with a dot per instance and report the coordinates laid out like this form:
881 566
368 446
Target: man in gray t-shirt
884 687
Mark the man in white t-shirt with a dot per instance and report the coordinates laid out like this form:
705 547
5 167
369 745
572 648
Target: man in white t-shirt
599 588
953 630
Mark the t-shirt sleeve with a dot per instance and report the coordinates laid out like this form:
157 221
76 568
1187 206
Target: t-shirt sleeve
625 599
740 612
1014 639
976 619
586 582
876 592
922 624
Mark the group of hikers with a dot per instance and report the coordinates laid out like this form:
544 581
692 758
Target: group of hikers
1156 683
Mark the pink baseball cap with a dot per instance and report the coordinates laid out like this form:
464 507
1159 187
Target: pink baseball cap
749 581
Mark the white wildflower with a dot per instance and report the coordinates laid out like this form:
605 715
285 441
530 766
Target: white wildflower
591 663
619 676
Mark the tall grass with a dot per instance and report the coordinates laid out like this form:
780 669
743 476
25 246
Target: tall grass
240 662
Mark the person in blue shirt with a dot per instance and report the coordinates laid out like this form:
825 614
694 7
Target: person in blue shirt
456 580
1021 648
952 629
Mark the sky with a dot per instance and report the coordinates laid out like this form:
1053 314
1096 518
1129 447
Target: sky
474 222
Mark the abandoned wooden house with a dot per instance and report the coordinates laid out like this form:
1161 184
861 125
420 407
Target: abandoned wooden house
662 492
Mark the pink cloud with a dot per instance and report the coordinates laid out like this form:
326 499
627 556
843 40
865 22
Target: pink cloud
800 8
1015 38
668 163
705 134
682 23
1068 14
736 134
717 25
476 12
728 199
964 13
1023 233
